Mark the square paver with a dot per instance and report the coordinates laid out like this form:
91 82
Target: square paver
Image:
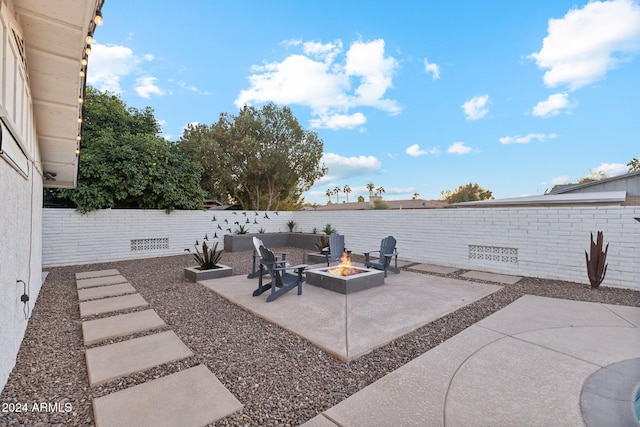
100 281
193 397
94 331
432 268
105 291
107 305
492 277
113 361
97 273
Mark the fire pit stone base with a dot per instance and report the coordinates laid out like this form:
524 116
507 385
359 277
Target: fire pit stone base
365 279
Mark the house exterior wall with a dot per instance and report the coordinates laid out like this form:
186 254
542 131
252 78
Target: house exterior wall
541 242
20 200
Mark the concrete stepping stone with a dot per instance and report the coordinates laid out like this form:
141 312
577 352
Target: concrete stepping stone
113 361
492 277
107 305
100 281
94 331
193 397
105 291
97 273
432 268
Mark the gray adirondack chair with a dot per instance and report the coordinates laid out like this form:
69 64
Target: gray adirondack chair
336 248
281 281
255 269
387 252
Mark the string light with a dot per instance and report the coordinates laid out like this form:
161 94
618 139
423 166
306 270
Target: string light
89 38
87 50
98 19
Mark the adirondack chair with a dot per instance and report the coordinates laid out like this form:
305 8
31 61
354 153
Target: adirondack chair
255 270
387 252
336 248
281 281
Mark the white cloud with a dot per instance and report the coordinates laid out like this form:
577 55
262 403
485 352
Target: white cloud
476 107
146 86
344 167
586 43
559 180
338 121
432 68
108 65
527 138
329 87
459 148
415 151
552 106
610 169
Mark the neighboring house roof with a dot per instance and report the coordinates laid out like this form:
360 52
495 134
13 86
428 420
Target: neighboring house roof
603 197
54 35
629 182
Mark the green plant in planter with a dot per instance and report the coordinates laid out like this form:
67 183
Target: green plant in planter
314 230
242 230
322 243
291 224
596 265
261 231
209 257
328 229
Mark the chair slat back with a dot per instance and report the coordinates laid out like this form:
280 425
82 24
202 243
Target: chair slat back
268 256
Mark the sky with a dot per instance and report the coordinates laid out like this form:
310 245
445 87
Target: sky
415 97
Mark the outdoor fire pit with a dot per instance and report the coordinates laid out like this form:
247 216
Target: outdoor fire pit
345 278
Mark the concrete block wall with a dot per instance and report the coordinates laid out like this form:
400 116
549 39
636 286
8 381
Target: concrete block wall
549 242
70 238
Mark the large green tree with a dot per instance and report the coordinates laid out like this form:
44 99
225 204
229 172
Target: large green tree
634 164
260 159
466 193
125 163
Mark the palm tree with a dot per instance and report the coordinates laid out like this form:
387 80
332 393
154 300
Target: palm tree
347 190
329 193
415 196
380 190
336 191
370 187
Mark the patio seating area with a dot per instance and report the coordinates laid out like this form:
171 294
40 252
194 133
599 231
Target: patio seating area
425 348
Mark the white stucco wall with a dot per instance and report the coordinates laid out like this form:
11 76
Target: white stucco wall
20 257
20 199
548 242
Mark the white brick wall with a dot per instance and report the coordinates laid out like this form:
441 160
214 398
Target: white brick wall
550 241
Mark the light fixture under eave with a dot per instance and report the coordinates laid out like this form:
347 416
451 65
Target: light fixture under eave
89 38
87 50
98 18
84 62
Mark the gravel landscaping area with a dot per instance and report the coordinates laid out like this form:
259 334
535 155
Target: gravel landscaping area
279 377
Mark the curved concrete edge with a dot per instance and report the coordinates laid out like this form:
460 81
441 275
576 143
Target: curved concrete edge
609 395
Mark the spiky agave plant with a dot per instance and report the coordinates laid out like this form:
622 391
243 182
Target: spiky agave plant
209 257
596 265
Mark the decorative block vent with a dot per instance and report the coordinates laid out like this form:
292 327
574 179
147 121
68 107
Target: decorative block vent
493 253
149 244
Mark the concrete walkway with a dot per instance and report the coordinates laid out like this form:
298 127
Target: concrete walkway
525 365
191 397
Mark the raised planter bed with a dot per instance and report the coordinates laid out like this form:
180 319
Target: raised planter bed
244 242
194 274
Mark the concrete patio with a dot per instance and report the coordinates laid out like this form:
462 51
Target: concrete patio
528 364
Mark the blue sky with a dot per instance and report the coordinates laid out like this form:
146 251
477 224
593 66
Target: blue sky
416 97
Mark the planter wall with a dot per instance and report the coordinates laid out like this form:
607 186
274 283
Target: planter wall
194 274
244 242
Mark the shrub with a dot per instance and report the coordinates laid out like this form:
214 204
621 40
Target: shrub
209 257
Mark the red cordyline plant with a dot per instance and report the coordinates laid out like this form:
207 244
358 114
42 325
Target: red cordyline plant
596 265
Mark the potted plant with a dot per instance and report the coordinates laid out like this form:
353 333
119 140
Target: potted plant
291 224
208 264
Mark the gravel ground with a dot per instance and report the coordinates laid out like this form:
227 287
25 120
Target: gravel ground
280 378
